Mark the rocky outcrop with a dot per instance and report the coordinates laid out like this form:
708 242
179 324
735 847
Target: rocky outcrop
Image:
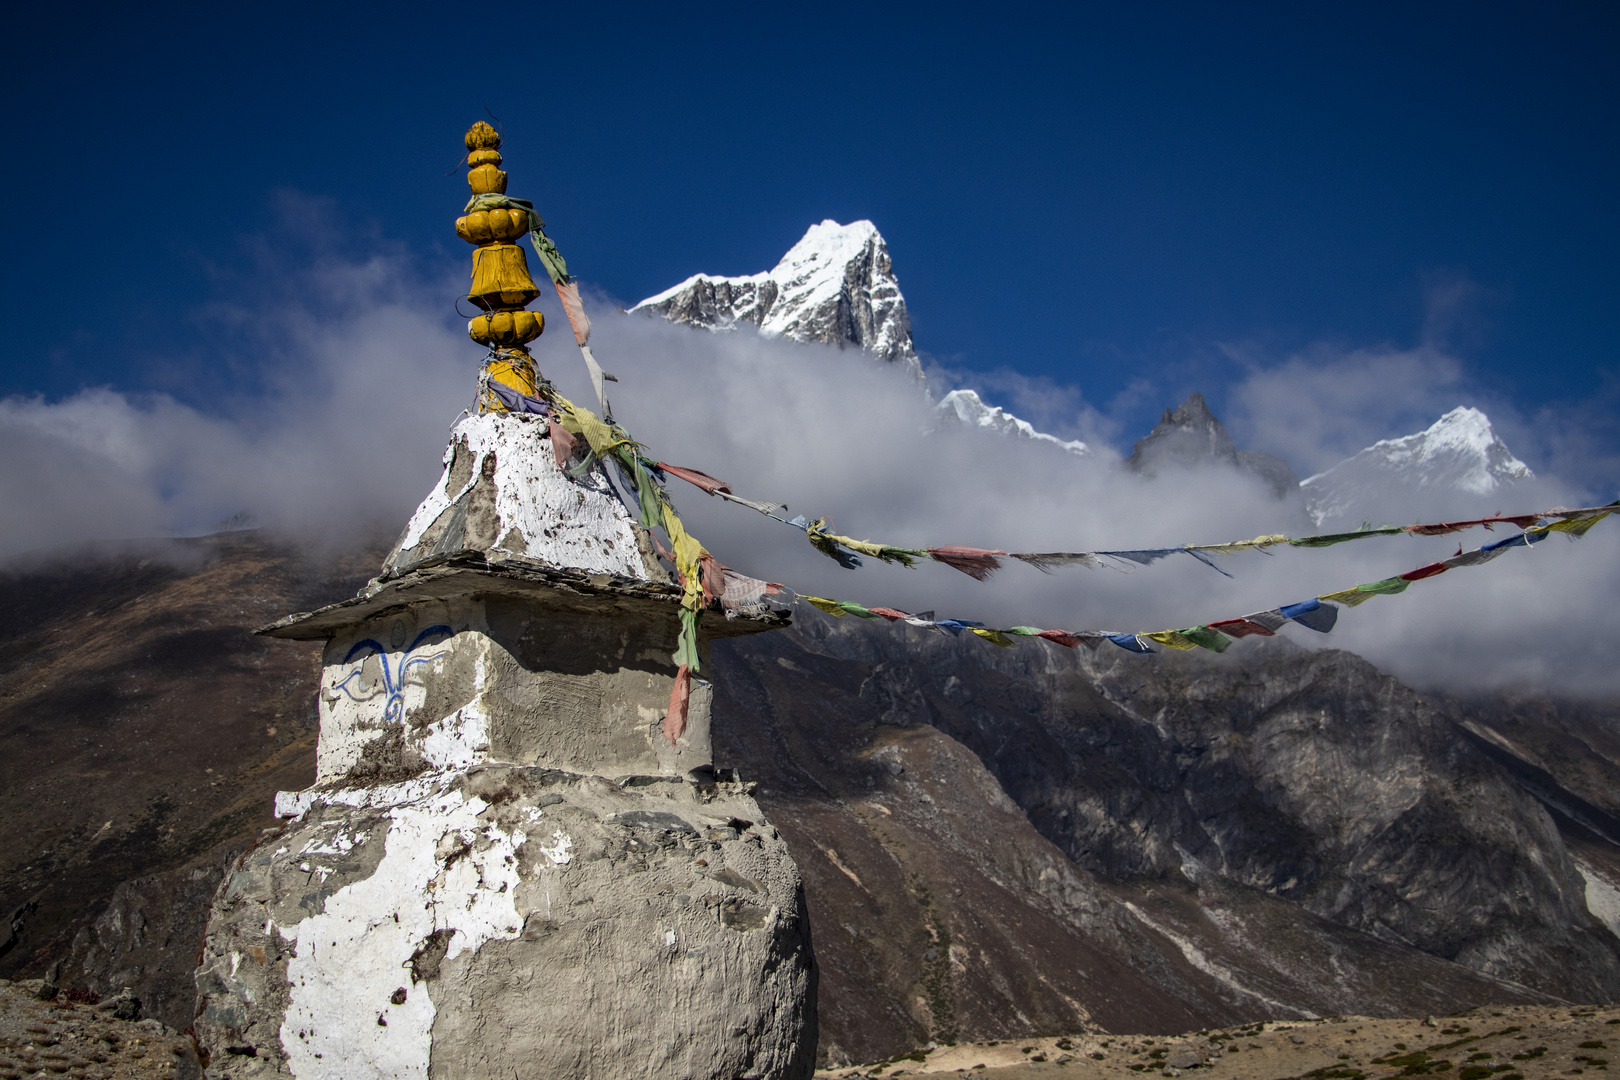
146 941
1190 436
836 286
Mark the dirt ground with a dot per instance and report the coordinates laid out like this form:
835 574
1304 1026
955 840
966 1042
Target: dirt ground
1494 1043
75 1039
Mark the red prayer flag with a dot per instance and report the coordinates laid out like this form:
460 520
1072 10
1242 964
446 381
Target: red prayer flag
1241 628
892 614
679 697
712 576
562 443
700 479
1060 637
976 563
1425 571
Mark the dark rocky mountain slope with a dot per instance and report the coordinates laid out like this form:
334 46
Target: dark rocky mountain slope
995 843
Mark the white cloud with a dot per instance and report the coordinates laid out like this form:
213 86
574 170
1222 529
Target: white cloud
360 389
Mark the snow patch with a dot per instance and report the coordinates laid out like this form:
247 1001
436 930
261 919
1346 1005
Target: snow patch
1602 895
967 408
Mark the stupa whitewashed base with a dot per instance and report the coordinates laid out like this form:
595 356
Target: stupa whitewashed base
503 869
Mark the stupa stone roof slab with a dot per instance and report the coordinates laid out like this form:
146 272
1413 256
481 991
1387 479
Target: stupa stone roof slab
472 575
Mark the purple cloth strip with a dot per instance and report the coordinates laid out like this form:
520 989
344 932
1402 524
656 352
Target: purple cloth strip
519 402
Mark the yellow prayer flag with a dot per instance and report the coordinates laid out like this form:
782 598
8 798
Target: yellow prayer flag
1349 597
1172 639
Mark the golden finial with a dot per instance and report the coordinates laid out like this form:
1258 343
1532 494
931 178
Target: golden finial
501 284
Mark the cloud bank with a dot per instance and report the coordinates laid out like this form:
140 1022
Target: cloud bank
353 394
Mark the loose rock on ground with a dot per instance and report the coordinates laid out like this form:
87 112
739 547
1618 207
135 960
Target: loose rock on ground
78 1039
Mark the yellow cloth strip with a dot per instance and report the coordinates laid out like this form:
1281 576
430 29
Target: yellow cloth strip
601 438
1348 597
829 606
1573 526
1242 545
1173 639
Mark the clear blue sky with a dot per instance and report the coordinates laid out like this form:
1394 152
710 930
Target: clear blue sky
1084 192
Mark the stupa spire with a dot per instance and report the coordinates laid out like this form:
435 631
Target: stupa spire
501 284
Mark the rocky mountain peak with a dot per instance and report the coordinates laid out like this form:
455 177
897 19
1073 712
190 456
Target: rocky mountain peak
1191 435
1458 453
835 286
1185 435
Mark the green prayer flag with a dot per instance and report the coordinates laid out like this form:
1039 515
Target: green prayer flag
647 493
1206 638
686 648
1329 539
1387 587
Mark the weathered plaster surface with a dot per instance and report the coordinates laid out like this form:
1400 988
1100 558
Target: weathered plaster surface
449 685
502 491
504 870
514 922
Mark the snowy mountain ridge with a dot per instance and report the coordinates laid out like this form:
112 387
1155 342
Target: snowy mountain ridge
965 407
1460 452
835 286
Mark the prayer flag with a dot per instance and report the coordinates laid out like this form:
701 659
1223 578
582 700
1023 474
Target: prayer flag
1174 639
700 479
976 563
1207 637
680 696
1312 613
1241 628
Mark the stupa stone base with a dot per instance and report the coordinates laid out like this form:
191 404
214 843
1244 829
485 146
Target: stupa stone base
510 921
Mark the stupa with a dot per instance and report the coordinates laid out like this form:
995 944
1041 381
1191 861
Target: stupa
518 859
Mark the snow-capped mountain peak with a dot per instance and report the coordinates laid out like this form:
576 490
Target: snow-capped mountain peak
967 408
1458 453
835 286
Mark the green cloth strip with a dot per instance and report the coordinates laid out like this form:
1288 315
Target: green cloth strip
1329 539
550 257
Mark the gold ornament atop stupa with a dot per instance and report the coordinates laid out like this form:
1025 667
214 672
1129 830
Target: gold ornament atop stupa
501 284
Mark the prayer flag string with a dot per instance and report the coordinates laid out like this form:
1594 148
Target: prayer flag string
1319 613
980 563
